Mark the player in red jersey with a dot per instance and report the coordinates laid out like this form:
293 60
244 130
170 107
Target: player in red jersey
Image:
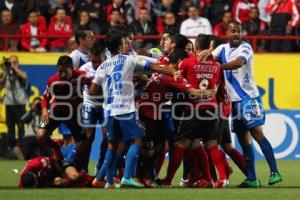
204 119
62 97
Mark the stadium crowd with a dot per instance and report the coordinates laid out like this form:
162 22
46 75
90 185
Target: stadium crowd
145 17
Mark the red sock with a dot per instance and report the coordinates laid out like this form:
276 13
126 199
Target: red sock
194 163
204 163
226 164
174 163
213 171
159 162
238 159
216 156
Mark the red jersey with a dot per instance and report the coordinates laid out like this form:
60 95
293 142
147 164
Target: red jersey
42 167
71 90
205 75
156 92
222 97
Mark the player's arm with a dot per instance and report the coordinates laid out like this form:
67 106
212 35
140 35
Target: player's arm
45 104
96 86
235 64
241 59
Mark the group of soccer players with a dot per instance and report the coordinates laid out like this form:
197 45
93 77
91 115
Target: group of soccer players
181 101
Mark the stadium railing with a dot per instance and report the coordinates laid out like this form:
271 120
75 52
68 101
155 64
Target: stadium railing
254 39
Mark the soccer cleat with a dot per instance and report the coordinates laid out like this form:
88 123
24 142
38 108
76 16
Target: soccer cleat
184 182
98 184
201 183
221 184
131 183
250 184
163 183
117 180
112 186
275 178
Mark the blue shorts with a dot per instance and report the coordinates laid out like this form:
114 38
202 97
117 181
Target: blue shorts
90 115
124 128
249 111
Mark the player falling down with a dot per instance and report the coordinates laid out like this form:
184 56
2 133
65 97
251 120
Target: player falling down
114 79
248 115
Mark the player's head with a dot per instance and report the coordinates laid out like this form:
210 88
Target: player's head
65 67
126 34
177 55
114 43
175 41
97 54
202 42
189 48
163 37
29 180
85 39
234 33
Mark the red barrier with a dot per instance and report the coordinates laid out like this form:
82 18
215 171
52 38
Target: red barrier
253 39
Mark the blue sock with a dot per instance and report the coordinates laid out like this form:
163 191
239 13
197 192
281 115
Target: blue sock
267 150
116 163
249 157
105 166
131 161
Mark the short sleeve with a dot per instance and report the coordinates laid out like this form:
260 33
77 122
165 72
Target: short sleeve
217 52
143 63
183 67
246 52
99 75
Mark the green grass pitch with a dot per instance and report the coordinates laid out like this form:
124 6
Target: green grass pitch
288 189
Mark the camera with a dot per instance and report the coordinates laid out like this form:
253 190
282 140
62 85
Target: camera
5 65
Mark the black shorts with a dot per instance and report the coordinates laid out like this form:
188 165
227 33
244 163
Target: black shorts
200 125
155 133
225 134
72 124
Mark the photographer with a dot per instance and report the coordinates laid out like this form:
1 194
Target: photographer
15 99
28 144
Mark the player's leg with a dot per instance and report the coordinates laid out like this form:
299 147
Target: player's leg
266 148
103 148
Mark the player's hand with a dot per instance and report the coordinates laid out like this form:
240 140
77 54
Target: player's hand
177 75
45 116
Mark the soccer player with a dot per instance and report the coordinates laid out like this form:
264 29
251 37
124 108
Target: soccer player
92 111
60 103
248 114
114 79
85 41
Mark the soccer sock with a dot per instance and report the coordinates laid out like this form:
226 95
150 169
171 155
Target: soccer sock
238 159
116 163
204 162
249 157
186 167
217 159
194 164
131 161
160 161
106 164
174 163
226 164
267 150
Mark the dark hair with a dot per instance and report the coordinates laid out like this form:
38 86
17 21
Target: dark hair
179 40
28 180
60 8
176 55
80 34
115 9
191 6
5 10
234 22
65 61
98 48
113 43
203 41
31 11
119 29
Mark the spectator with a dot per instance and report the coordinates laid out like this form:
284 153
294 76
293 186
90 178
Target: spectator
241 9
60 26
29 145
143 26
94 7
41 6
253 26
34 27
195 24
114 21
16 9
54 4
263 16
9 28
217 9
284 17
133 9
166 6
14 100
116 4
220 29
170 24
85 23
